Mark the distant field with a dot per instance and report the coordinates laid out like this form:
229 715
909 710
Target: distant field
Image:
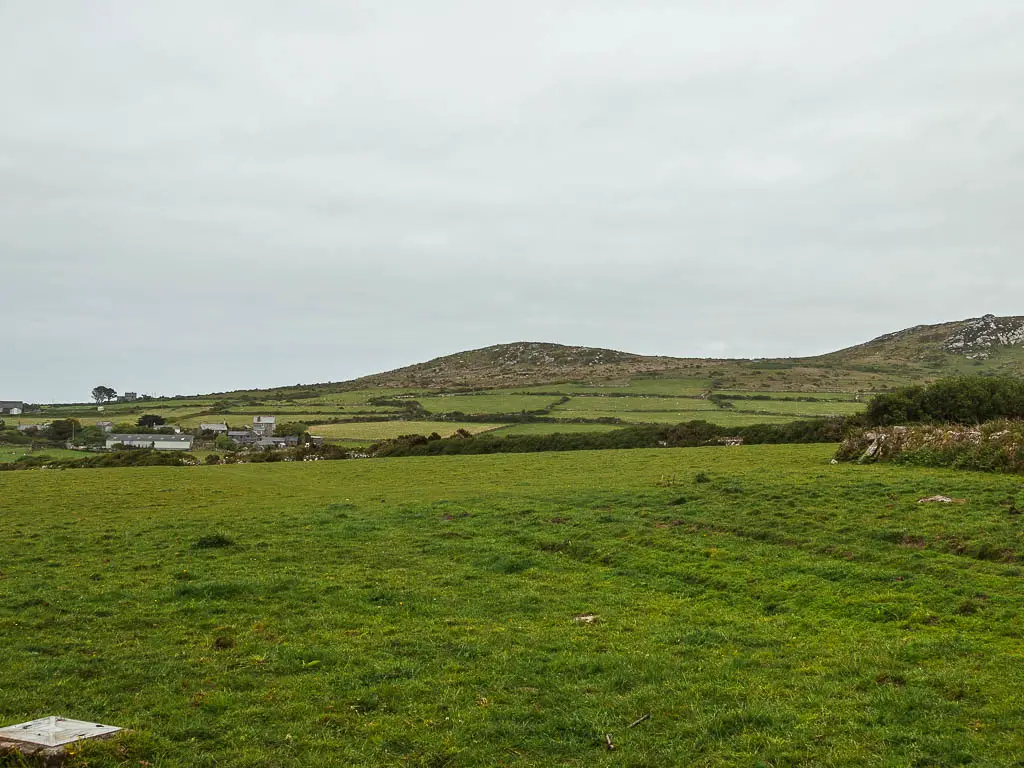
785 394
673 410
687 387
486 403
9 453
550 429
718 416
384 430
245 419
584 405
783 408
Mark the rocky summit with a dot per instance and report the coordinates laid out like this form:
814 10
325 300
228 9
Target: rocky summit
977 338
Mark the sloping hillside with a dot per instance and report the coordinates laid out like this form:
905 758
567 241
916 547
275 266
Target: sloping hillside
922 353
983 344
525 363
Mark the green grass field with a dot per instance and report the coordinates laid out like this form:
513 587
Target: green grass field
797 409
385 430
718 416
430 612
583 405
10 453
780 395
551 429
672 410
637 386
505 402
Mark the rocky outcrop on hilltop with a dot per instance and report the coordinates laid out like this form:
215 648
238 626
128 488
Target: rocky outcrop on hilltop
977 338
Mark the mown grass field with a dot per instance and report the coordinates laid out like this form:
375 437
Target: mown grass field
426 612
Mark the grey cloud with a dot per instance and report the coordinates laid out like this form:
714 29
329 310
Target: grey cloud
354 185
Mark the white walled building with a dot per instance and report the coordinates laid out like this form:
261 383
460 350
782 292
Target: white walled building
158 442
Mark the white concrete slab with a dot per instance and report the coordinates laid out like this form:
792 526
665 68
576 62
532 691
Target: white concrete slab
55 731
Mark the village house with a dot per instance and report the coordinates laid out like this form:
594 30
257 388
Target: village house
106 426
158 442
128 397
242 436
12 407
218 429
286 441
264 426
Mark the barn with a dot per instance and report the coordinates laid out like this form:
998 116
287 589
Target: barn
158 442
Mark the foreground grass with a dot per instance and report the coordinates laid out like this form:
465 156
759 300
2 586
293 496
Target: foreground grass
421 612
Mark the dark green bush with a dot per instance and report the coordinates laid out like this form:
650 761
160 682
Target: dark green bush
960 400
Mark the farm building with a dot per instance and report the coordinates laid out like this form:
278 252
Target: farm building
106 426
264 426
278 442
220 429
159 442
12 407
242 436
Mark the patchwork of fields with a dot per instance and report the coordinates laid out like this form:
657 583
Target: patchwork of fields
757 605
641 401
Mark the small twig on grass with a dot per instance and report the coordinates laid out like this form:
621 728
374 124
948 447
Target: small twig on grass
635 723
608 742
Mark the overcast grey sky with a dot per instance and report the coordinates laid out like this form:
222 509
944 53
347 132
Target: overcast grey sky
200 196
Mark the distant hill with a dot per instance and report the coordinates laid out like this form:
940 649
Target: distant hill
985 345
523 363
922 353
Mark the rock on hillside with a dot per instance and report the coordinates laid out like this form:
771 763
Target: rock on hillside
976 338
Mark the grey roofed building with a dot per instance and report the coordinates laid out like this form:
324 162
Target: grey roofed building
106 426
278 442
159 442
210 427
264 426
242 436
13 407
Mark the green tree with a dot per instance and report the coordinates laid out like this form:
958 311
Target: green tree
63 429
150 420
103 394
92 436
225 443
293 428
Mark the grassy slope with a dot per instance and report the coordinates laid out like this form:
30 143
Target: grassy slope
419 612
